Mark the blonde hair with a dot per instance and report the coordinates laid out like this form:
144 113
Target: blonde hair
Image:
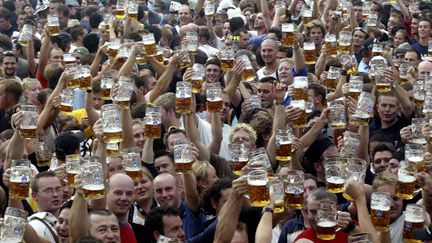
384 178
200 170
29 82
244 127
167 101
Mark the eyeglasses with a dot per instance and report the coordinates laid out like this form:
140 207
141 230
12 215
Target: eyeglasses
50 190
8 53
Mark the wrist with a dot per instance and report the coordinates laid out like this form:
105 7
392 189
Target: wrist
351 226
278 102
267 210
344 72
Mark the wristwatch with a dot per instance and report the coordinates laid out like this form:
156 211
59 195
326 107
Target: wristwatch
267 210
279 103
351 226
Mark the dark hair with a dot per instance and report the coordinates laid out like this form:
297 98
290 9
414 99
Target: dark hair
162 153
5 42
88 239
9 5
319 91
43 95
154 219
357 3
8 53
139 111
214 194
5 14
91 42
268 79
277 32
418 54
172 131
12 87
76 31
100 212
236 23
382 147
64 10
287 50
213 61
94 20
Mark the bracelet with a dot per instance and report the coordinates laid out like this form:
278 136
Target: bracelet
279 103
267 210
351 226
344 73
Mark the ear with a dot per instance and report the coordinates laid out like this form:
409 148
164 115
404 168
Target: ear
156 235
34 196
266 136
203 184
317 167
214 203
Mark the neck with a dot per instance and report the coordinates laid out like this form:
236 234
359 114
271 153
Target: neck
387 124
271 66
357 49
424 41
145 204
262 31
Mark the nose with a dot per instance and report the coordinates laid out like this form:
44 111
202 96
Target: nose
181 234
110 234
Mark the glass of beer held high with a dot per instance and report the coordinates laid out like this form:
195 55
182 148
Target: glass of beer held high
239 157
197 78
66 100
85 77
192 42
248 73
300 88
120 12
302 120
277 195
150 44
152 123
415 216
227 58
284 140
355 87
380 210
113 48
111 123
416 127
258 189
183 156
106 85
25 36
43 154
209 9
288 38
20 179
350 144
132 163
306 15
337 116
53 25
414 153
69 59
73 167
334 174
259 157
133 10
93 180
364 109
183 97
214 97
14 225
309 52
294 189
354 169
326 221
27 127
407 176
360 238
331 45
332 79
255 101
124 92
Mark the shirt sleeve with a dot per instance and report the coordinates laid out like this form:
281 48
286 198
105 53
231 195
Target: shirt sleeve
302 72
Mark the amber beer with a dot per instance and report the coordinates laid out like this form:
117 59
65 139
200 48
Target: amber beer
159 57
248 74
120 13
380 219
414 219
74 82
70 177
331 45
43 162
326 230
24 42
294 199
105 93
133 15
197 85
237 166
86 82
362 119
134 172
288 37
65 107
184 105
113 51
419 161
150 48
335 184
18 189
279 206
114 136
309 53
141 59
331 83
27 132
283 151
183 166
355 94
215 105
406 186
344 47
227 64
300 88
383 87
258 193
302 120
408 231
93 191
53 30
152 130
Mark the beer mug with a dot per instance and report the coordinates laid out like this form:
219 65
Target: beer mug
344 46
227 59
28 124
183 157
14 225
214 98
69 59
73 167
209 9
403 71
111 123
141 56
113 48
185 61
414 153
112 150
364 109
255 101
106 85
414 219
354 169
239 155
326 221
407 176
192 42
92 177
331 45
302 120
300 88
277 195
282 6
360 238
197 78
120 9
160 55
184 97
416 127
260 158
350 145
355 87
153 123
124 92
248 73
53 25
306 15
258 191
67 97
84 75
377 49
42 153
19 185
427 105
337 116
122 55
419 92
132 163
288 37
25 36
334 174
332 79
133 10
309 52
284 140
372 20
294 189
150 44
380 210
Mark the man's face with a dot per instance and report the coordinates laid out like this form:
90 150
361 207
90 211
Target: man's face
316 36
184 15
244 40
411 58
56 56
97 101
105 228
139 135
213 73
285 72
166 191
424 69
9 66
424 29
309 186
259 21
226 108
243 137
226 29
49 195
63 20
120 195
398 39
396 202
4 24
164 164
269 51
173 227
381 161
151 83
224 197
264 91
359 38
53 7
414 26
312 209
358 12
4 98
388 108
62 225
172 138
115 165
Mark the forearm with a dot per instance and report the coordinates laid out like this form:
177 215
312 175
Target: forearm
227 220
79 219
365 221
163 82
94 67
191 193
127 26
30 235
193 135
404 10
44 54
312 134
158 67
404 100
320 64
216 130
29 51
147 152
338 91
278 122
231 86
315 10
126 122
263 232
363 152
92 114
15 148
127 68
299 61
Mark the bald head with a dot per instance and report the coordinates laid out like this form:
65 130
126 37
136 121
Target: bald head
120 195
188 28
424 69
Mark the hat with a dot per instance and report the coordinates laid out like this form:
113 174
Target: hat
314 152
155 18
72 3
41 6
425 6
66 143
226 4
423 234
73 22
389 6
81 50
65 37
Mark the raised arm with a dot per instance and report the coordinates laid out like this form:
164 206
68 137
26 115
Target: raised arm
166 78
307 139
126 122
265 11
400 93
216 130
29 52
278 89
404 10
263 232
299 61
79 222
233 82
44 53
191 194
147 154
92 114
16 146
158 67
192 133
94 67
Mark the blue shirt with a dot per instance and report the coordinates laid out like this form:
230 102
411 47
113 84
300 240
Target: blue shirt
422 49
191 220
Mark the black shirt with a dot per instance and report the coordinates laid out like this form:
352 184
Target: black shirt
390 134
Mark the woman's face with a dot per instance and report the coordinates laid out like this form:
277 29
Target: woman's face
398 39
143 189
285 72
32 92
28 10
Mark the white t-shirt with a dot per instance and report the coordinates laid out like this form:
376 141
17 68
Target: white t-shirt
40 228
260 73
396 229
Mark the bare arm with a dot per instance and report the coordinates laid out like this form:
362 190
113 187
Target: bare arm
79 219
158 67
399 92
320 64
44 53
233 82
16 146
265 11
193 135
363 152
315 10
128 66
147 151
191 194
92 114
30 235
263 232
29 52
307 139
216 130
94 67
278 121
166 78
126 121
404 10
299 61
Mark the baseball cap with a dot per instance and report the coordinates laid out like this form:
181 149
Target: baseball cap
66 143
388 6
314 152
81 50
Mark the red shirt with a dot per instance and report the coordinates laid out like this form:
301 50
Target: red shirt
126 233
43 81
310 234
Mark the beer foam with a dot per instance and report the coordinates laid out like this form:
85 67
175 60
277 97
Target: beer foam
257 182
380 207
415 159
94 187
216 99
183 161
16 180
133 169
112 130
335 180
406 178
284 142
326 224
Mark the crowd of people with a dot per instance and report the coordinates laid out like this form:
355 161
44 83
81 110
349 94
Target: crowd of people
215 121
